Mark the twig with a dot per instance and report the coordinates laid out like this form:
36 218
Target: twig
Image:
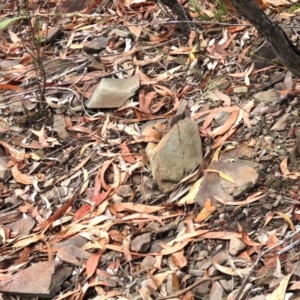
179 293
246 279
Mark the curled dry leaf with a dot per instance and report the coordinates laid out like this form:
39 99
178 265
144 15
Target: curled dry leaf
287 219
21 177
230 271
128 206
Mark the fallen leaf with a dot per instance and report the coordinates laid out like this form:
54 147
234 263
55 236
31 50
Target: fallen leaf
21 177
207 210
287 219
279 292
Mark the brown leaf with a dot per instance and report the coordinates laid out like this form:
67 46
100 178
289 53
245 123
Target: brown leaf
21 177
92 263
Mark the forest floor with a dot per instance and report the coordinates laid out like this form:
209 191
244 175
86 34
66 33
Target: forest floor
87 211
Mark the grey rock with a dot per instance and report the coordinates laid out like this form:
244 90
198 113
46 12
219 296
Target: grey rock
212 271
112 93
220 257
221 117
236 245
281 123
221 83
23 226
267 96
41 280
52 35
96 45
203 289
156 244
59 126
147 263
203 264
141 243
125 191
4 171
73 255
243 189
117 199
228 285
202 255
196 273
177 153
77 241
217 292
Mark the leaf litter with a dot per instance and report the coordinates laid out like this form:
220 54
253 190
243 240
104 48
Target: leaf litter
82 214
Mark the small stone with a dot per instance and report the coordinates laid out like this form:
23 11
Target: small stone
23 226
240 89
267 96
203 264
202 255
220 257
228 285
203 289
141 243
117 199
217 292
196 273
121 33
268 139
221 117
212 271
96 45
156 244
136 179
266 158
236 245
113 92
4 171
148 262
221 83
243 189
73 255
125 191
59 126
77 241
281 123
52 35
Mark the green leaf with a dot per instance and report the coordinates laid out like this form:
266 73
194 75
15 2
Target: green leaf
5 23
